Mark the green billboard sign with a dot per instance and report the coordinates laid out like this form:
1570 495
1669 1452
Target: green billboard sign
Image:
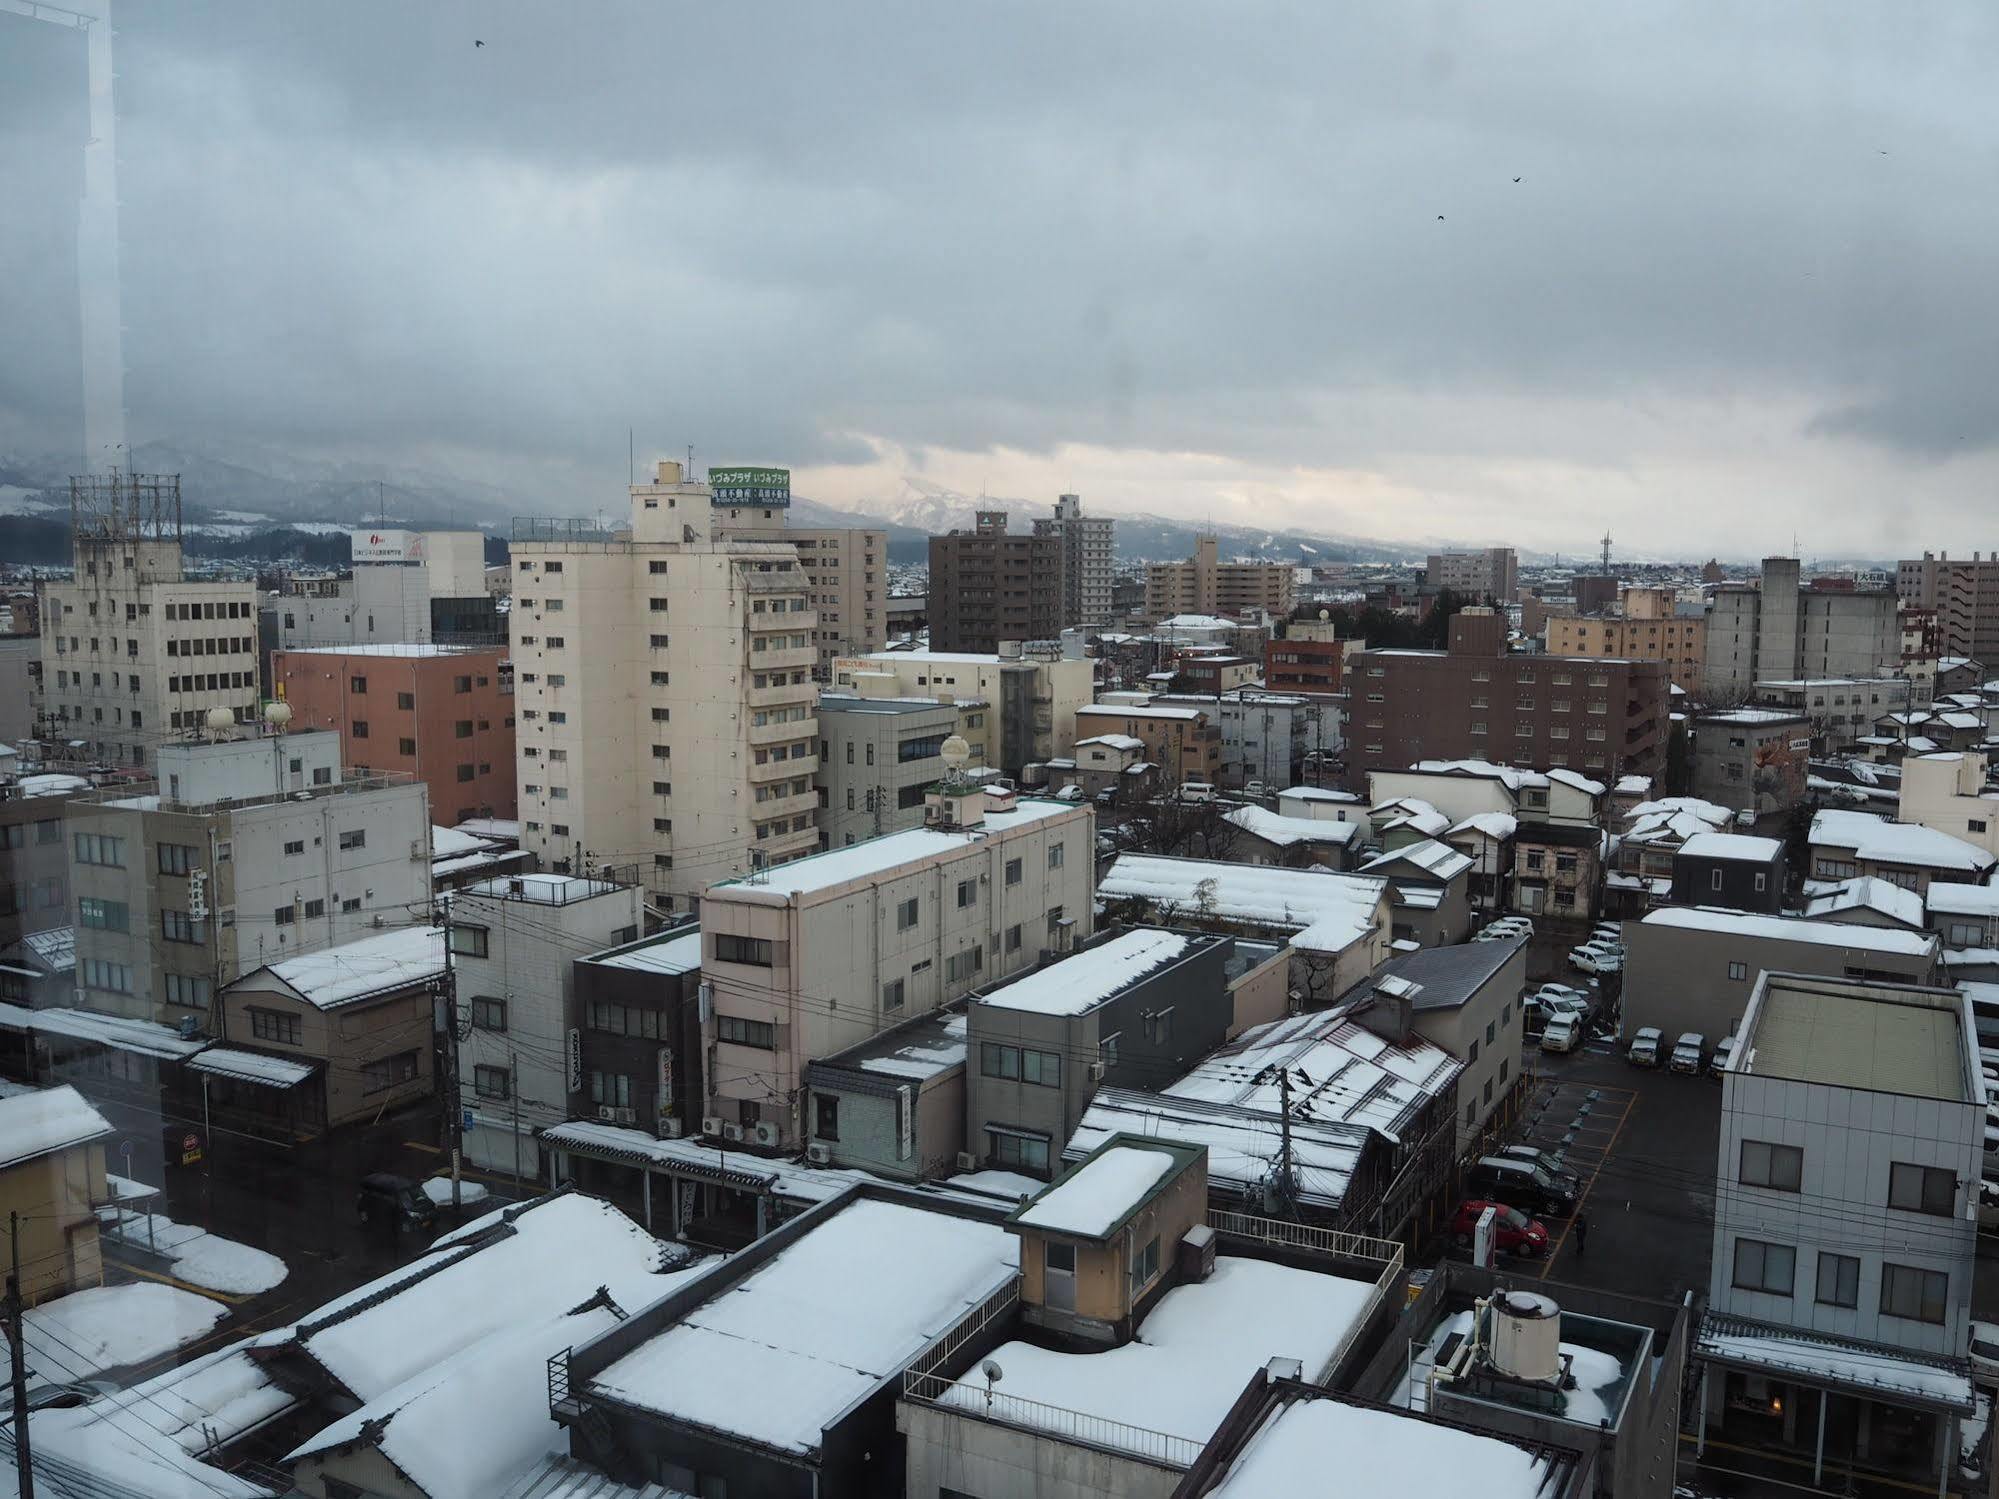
750 486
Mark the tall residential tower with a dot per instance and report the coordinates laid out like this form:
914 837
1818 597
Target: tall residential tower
1088 544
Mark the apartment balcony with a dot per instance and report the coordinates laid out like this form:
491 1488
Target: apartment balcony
806 656
785 623
762 736
781 695
785 806
778 770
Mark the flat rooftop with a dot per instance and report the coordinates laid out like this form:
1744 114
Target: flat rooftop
1879 1037
1079 983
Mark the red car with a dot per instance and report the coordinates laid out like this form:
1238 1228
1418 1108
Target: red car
1513 1231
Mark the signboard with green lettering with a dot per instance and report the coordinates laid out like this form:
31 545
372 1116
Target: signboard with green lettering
750 486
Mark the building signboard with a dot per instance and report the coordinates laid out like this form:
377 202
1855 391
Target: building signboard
749 486
387 546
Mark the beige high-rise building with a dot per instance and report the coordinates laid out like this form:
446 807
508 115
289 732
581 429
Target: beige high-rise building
1649 628
1204 584
133 652
846 573
663 677
1089 548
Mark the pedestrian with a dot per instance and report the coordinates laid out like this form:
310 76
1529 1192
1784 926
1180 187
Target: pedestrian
1582 1234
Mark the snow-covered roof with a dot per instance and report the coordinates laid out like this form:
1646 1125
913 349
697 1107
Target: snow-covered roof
1512 777
1754 716
789 1180
1324 910
1393 1455
251 1066
1196 622
1341 1072
878 857
1577 781
1409 812
1633 786
1674 819
559 1476
333 976
1284 832
1113 741
1242 1142
1793 929
1190 1360
1498 826
46 1120
1439 860
1099 1195
778 1355
50 783
1080 982
1732 846
55 948
214 1399
503 829
1842 1363
119 1032
674 955
1869 893
1318 794
515 1266
1185 715
450 843
412 649
1962 900
1879 841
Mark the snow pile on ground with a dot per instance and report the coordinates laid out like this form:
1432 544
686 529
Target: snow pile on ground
79 1336
202 1258
438 1190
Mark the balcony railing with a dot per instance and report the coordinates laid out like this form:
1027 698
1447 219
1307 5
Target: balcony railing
987 1403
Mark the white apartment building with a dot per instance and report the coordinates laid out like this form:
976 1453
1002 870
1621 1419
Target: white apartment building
389 599
806 960
133 652
1265 735
1948 793
1089 548
246 852
663 683
1021 708
878 756
513 943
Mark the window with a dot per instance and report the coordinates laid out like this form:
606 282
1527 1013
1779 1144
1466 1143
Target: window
758 1033
492 1082
354 838
1042 1068
360 728
283 916
406 701
488 1013
1057 852
1010 1149
98 974
100 848
1714 879
964 964
102 915
1738 970
357 684
1769 1268
999 1061
892 995
1838 1282
756 951
968 893
388 1072
1781 1168
1471 1053
1013 871
468 941
1145 1266
1922 1189
1917 1294
178 926
278 1026
1013 938
176 858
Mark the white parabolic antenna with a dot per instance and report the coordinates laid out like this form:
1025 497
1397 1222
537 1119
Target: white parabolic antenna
954 752
220 719
277 714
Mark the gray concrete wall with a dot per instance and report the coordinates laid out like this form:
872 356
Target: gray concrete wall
949 1450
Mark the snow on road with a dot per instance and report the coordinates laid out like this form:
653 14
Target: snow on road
202 1258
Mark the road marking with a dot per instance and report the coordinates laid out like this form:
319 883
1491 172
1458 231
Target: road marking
1630 1107
186 1285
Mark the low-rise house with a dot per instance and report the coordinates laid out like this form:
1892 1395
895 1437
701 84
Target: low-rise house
1429 886
1752 759
1642 872
1406 819
1109 769
894 1104
1949 792
1557 870
1321 803
633 1035
1964 916
1845 1233
1867 901
1730 869
1693 968
1486 838
458 859
1844 844
1180 740
1920 732
52 1177
1291 842
352 1024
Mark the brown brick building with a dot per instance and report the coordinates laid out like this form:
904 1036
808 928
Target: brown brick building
987 586
1475 701
443 714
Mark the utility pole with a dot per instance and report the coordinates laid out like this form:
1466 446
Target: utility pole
23 1464
454 1117
514 1093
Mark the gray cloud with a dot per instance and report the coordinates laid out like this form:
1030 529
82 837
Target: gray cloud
781 231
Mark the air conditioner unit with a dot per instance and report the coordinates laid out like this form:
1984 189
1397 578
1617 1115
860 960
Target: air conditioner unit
819 1153
419 850
606 1113
1096 1072
765 1133
732 1132
669 1127
967 1161
711 1124
625 1116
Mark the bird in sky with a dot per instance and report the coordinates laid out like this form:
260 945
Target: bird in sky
477 43
1440 218
1516 179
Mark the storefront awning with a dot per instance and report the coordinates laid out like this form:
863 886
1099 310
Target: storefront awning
1846 1365
251 1067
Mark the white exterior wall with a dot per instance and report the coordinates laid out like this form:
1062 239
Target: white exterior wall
531 946
1457 797
1068 684
1849 1137
1948 793
382 604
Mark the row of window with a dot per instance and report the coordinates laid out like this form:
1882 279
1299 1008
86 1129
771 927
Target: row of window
223 610
210 645
1911 1188
1907 1291
1020 1064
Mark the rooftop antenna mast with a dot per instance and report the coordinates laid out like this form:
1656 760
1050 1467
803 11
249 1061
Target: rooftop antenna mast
1606 554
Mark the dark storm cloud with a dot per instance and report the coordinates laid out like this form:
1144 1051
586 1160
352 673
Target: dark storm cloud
780 230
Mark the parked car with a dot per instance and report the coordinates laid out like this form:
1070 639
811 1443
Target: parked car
1723 1050
1610 931
1562 1033
1984 1350
1645 1043
1197 791
395 1202
1255 790
1597 959
1523 1185
1513 1231
1547 1160
1687 1052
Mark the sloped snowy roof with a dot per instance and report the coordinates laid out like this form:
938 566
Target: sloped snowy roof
1512 777
46 1120
1333 910
674 955
251 1066
1674 819
120 1032
1242 1142
56 948
1318 794
1079 983
1395 1454
1113 741
1962 900
1409 811
1868 893
333 976
1793 929
1498 826
790 1180
1879 841
1100 1194
450 843
1843 1363
1577 781
1285 832
1438 860
1732 846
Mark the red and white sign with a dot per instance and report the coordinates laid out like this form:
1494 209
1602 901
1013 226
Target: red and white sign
387 546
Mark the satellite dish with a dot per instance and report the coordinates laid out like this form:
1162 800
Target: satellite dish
1325 614
954 752
991 1369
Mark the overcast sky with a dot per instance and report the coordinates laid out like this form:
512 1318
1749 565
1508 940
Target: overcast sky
1271 266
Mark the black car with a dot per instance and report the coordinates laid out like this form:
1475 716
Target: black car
394 1202
1522 1184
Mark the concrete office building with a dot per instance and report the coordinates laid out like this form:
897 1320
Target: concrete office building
442 714
247 852
1751 759
1491 574
1949 793
404 587
1647 627
1778 629
1477 702
1015 708
1311 657
987 586
513 942
1089 550
1204 584
663 686
34 858
636 1014
805 960
1846 1232
133 652
1965 597
877 758
21 703
1265 736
